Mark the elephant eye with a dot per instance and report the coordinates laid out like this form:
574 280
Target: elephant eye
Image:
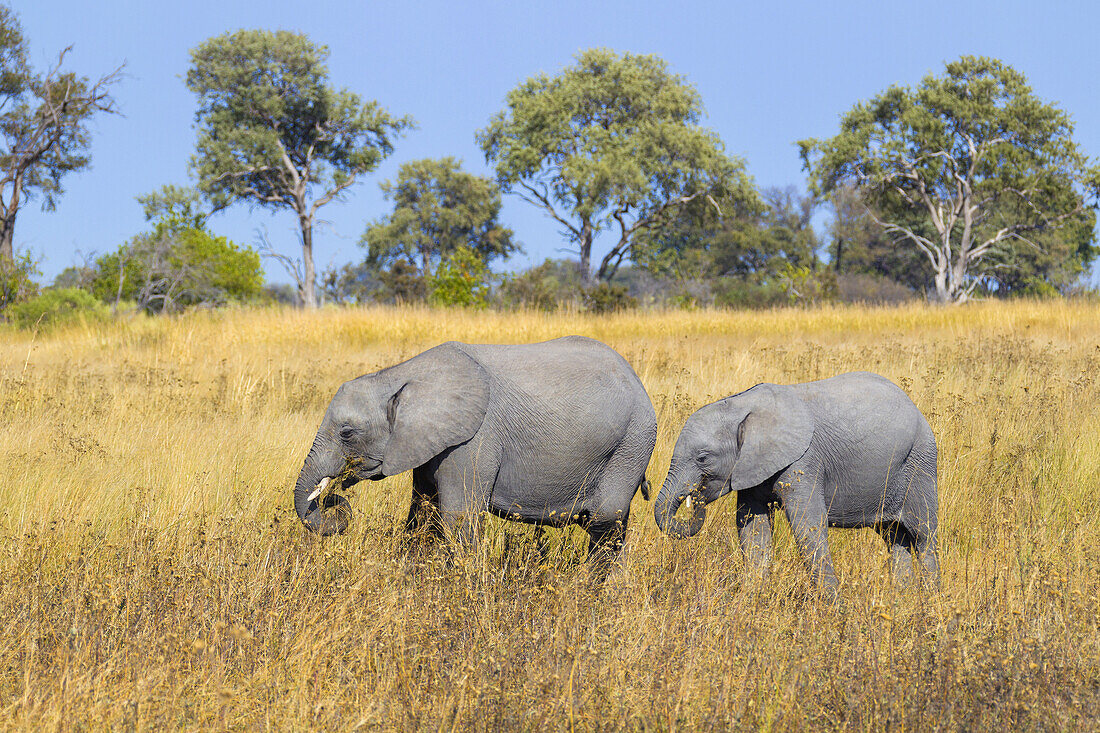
347 433
702 456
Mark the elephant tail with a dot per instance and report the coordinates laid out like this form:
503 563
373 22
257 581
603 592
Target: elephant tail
644 488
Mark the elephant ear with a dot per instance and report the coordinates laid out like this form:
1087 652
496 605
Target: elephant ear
440 401
774 433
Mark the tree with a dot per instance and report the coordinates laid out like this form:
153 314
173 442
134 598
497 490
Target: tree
462 279
965 168
859 246
44 131
274 133
754 242
612 142
179 264
438 209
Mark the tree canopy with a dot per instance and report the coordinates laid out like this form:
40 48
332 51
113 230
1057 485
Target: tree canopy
438 209
44 133
275 133
611 142
969 168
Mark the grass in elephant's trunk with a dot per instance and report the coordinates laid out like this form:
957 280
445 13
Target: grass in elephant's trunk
155 574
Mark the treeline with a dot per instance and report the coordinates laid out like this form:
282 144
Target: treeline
965 185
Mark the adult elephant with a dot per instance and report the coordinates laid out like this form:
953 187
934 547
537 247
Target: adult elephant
850 451
552 433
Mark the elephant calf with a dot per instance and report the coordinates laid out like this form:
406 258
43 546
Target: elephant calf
554 433
850 451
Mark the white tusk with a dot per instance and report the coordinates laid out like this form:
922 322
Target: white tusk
687 503
320 488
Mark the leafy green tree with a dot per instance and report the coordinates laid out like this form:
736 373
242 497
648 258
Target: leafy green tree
965 168
462 279
274 132
859 246
179 264
44 133
612 142
438 209
171 270
756 242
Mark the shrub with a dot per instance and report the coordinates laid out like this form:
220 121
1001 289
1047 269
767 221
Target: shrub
735 292
545 287
608 298
170 270
461 280
872 289
56 306
17 279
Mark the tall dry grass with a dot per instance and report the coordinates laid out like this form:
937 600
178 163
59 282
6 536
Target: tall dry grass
153 574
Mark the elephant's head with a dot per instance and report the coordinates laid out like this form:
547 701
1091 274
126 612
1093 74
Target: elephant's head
733 444
386 423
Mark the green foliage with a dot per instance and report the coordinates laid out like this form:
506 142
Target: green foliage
965 168
438 208
272 131
57 306
462 279
264 95
608 298
174 207
805 286
736 292
755 243
544 287
171 270
17 279
613 141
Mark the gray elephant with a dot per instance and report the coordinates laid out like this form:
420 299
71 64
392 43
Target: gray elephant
551 433
850 451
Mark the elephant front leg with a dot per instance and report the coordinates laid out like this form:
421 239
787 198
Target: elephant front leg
809 524
754 529
422 525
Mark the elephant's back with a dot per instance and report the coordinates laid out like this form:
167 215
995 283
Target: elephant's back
571 367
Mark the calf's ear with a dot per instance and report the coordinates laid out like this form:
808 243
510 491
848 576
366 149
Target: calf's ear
774 431
439 401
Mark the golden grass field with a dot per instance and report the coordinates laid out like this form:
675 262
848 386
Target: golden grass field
153 574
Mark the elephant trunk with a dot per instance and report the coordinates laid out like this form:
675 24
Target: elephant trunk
323 514
673 493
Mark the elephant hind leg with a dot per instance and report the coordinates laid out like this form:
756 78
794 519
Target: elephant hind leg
925 549
921 509
605 545
901 544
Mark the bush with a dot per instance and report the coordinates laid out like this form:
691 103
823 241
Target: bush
872 289
461 280
170 270
57 306
608 298
735 292
17 280
545 287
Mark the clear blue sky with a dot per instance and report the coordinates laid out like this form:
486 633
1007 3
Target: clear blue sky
770 73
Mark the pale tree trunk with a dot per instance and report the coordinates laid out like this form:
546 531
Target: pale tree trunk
587 235
306 287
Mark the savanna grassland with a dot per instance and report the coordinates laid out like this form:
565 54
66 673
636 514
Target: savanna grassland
153 574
